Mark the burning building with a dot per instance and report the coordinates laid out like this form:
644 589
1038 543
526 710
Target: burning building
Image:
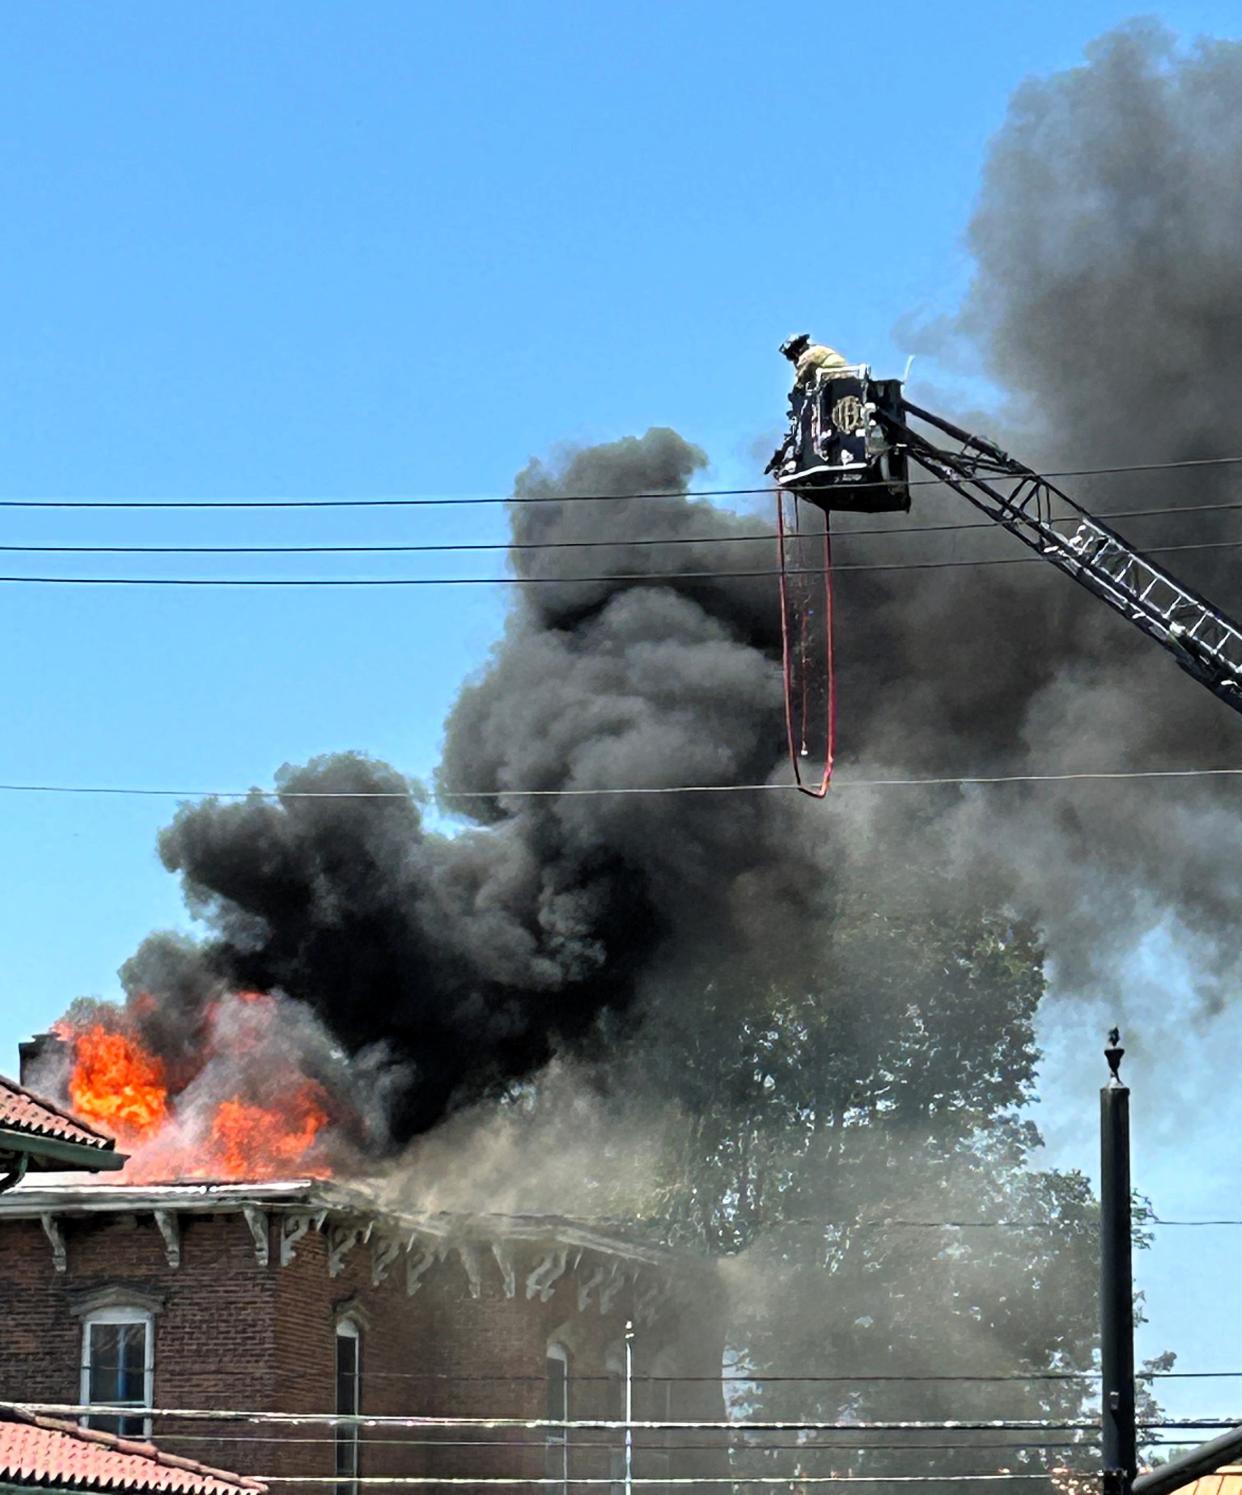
235 1106
243 1276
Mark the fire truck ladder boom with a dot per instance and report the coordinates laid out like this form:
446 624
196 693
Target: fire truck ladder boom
1203 640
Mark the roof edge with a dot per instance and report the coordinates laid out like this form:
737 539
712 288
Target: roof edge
61 1150
105 1141
12 1413
290 1195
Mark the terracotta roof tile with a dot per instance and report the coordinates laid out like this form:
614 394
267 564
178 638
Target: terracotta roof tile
42 1451
1226 1481
20 1111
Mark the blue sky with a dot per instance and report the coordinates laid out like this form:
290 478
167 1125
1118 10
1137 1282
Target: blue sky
313 249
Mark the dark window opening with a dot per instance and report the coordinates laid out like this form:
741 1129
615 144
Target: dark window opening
557 1410
117 1371
348 1404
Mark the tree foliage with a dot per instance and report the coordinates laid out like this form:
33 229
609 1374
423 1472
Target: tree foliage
828 1139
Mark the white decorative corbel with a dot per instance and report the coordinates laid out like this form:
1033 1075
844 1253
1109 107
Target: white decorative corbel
256 1221
646 1300
292 1229
170 1229
587 1285
508 1268
342 1238
545 1276
468 1254
608 1292
417 1264
56 1237
384 1251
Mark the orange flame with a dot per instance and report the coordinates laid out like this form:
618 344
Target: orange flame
260 1141
117 1084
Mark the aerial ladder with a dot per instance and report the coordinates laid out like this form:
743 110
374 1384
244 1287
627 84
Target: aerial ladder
850 445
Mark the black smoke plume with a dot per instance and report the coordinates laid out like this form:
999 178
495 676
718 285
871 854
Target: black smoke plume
1107 302
468 960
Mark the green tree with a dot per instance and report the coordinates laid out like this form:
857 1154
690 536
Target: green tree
827 1136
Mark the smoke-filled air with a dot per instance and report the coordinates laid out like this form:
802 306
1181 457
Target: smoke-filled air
752 1023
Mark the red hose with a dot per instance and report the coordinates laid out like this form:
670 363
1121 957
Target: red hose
820 789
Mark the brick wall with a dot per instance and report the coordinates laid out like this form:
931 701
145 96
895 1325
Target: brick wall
232 1333
214 1333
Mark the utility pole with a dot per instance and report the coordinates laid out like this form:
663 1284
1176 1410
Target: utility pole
629 1407
1116 1281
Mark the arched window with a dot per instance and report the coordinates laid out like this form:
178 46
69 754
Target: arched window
663 1399
118 1364
614 1411
556 1369
348 1402
664 1386
614 1369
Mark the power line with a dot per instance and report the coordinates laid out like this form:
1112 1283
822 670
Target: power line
839 783
430 501
608 1424
653 578
760 1377
746 1378
442 548
1199 1224
602 1424
283 1441
639 541
559 1482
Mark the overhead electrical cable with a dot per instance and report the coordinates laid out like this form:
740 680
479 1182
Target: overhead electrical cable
746 1378
641 541
649 577
559 1482
597 1424
419 500
284 1440
404 796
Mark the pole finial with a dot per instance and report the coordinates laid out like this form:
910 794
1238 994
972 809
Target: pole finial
1114 1053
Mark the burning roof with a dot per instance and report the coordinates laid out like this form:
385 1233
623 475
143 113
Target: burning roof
238 1106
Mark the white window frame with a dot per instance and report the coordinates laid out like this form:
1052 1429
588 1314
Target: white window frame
118 1314
614 1370
348 1436
556 1456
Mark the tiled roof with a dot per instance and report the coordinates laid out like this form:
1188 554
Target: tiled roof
1226 1481
20 1111
40 1451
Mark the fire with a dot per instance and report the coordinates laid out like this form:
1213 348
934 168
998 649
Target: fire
248 1139
223 1123
117 1084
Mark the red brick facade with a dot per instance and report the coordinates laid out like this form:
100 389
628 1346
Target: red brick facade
452 1322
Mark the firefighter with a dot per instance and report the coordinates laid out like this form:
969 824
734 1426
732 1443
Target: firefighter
809 359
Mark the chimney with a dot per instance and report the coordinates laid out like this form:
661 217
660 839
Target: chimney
41 1063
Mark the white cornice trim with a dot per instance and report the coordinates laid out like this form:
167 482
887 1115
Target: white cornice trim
341 1204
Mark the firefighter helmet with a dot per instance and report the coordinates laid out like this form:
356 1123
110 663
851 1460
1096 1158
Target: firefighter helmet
794 347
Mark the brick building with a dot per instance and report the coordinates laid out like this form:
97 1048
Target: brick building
304 1296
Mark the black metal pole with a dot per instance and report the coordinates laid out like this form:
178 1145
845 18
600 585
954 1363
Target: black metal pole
1116 1281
